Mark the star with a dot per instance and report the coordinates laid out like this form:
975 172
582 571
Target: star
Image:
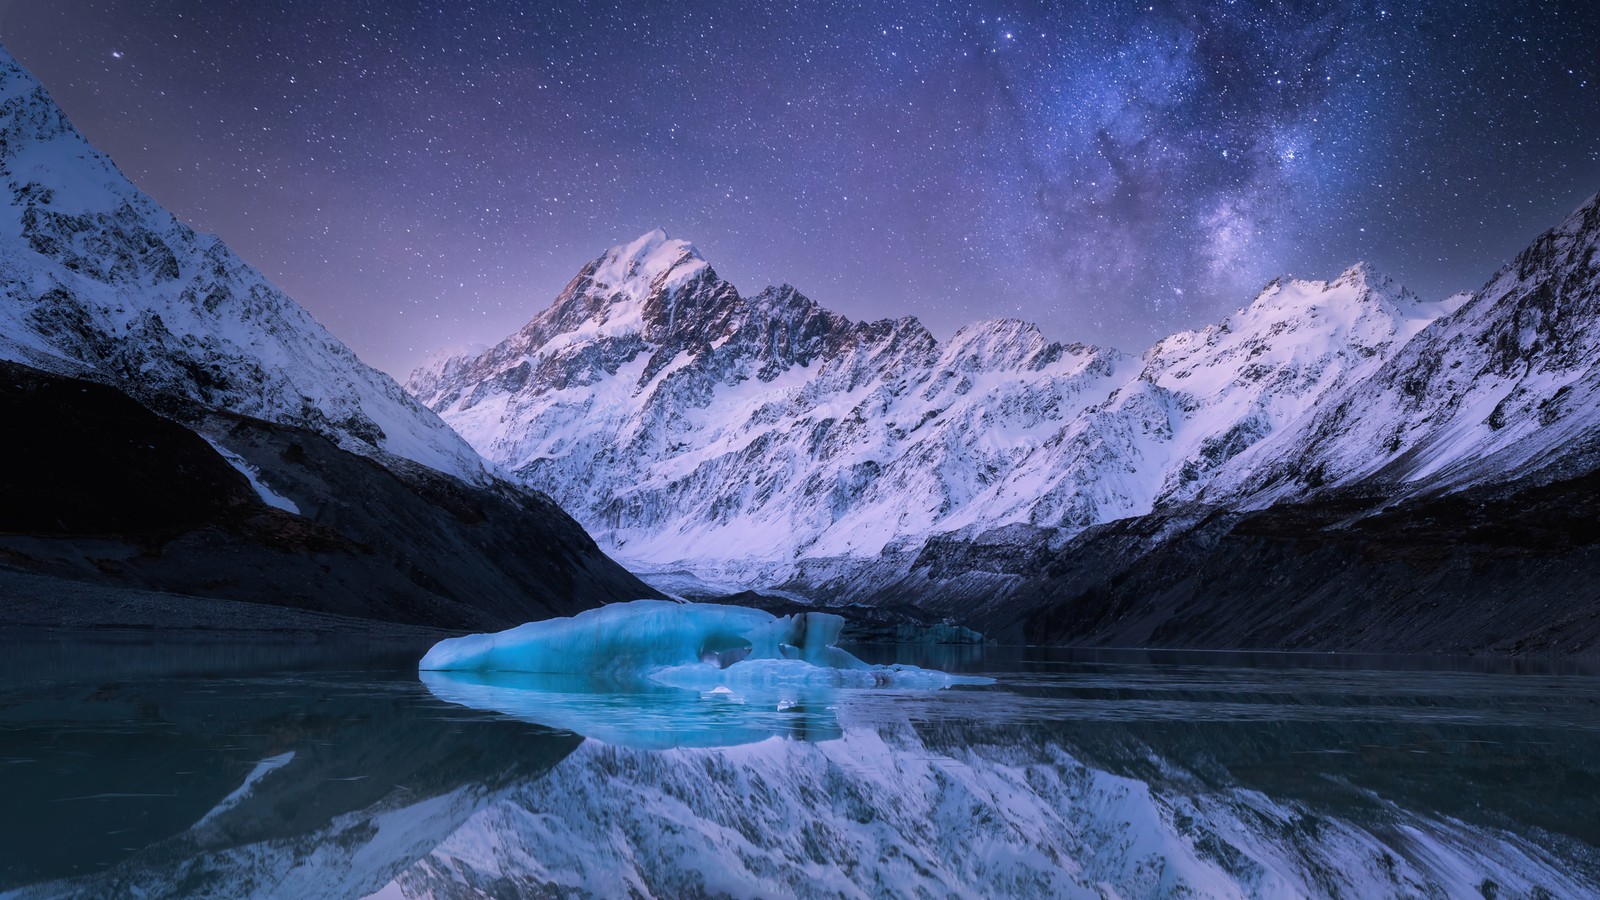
1075 177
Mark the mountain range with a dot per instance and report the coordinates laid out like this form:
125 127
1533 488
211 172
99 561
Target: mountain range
767 440
687 425
1338 464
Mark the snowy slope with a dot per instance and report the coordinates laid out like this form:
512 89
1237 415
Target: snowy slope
1204 398
100 282
685 424
1507 384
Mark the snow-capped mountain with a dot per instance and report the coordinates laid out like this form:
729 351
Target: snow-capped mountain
1509 383
126 338
684 423
1203 398
103 283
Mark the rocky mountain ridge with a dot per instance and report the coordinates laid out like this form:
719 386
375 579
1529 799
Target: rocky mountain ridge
182 429
690 427
103 283
1508 384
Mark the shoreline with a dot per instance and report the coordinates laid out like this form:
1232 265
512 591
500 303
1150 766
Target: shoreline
52 608
44 603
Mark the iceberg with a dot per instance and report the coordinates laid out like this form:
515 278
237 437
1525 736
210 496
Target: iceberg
696 646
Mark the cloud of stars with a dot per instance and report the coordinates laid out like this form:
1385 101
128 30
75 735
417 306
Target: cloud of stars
423 173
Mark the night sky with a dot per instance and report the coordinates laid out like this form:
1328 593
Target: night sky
422 174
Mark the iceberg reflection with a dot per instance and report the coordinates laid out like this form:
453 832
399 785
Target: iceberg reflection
646 715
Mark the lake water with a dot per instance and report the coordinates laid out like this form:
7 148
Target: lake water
131 767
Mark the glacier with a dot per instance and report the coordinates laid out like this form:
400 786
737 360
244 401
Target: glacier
694 646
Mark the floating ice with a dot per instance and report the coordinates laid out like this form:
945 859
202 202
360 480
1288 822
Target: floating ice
656 674
685 645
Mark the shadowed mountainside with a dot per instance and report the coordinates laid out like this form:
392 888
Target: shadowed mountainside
100 489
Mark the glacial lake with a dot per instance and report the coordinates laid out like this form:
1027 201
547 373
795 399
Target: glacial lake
131 767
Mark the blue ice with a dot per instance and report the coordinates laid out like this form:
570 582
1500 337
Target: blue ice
685 645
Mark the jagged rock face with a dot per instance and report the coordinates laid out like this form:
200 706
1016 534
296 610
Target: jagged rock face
684 423
1204 399
1508 384
98 281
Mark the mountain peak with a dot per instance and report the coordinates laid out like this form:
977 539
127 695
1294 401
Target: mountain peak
1359 285
1592 203
103 283
776 299
644 244
1360 270
635 267
1006 330
1368 282
1585 219
14 79
1364 277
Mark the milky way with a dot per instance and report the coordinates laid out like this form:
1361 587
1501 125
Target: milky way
421 174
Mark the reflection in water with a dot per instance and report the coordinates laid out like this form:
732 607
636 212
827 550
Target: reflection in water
641 714
894 810
1067 778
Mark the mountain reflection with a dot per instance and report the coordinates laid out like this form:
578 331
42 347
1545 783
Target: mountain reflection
1101 779
894 807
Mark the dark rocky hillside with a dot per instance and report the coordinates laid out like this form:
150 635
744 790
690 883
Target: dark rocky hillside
1505 569
1501 569
97 488
83 459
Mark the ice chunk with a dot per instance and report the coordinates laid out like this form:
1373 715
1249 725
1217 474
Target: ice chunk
643 635
686 645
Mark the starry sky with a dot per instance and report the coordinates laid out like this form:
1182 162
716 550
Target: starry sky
425 174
